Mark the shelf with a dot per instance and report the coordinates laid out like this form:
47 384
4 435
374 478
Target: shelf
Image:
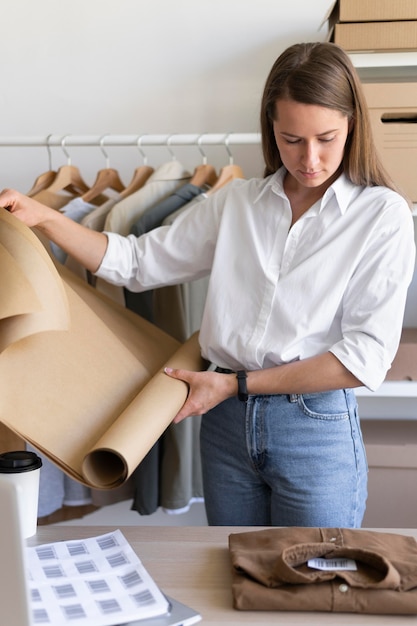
393 399
384 59
385 66
390 389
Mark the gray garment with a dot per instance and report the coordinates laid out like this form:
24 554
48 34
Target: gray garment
142 302
155 215
178 309
76 210
57 489
181 478
170 474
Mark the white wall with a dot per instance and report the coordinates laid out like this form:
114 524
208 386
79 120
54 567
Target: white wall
137 66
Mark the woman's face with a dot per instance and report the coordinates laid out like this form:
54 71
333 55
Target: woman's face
311 140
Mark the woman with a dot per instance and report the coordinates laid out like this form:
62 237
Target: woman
309 269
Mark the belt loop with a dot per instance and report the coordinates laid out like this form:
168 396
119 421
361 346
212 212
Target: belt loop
292 397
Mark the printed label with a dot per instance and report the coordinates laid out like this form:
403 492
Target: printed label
333 564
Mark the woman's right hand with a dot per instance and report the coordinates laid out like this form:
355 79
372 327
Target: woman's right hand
27 210
86 246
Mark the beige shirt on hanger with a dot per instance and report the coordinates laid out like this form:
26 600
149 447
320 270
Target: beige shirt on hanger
165 180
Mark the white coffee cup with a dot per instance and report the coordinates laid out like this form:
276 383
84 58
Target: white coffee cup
23 469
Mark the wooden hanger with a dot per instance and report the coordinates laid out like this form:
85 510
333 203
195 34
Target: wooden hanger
204 175
227 174
43 180
68 178
139 178
140 175
107 178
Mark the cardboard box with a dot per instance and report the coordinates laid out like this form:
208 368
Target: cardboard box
404 366
375 36
393 112
391 448
373 10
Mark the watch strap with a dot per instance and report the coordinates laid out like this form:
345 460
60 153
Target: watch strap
242 389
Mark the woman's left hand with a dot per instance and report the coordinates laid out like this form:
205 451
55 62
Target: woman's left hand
205 390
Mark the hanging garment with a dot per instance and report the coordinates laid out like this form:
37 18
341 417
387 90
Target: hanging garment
142 302
178 309
56 489
170 474
160 184
166 179
96 218
155 215
181 481
204 176
76 210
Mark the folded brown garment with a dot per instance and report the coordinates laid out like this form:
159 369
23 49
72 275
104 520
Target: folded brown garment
270 571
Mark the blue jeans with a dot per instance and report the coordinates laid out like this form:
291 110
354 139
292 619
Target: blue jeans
285 460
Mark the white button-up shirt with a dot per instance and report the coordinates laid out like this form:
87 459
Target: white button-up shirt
335 281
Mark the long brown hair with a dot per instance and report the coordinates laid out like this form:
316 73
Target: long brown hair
321 73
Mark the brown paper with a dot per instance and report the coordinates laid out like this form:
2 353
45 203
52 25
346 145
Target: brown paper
32 295
16 293
92 397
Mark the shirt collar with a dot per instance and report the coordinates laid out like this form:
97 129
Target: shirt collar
275 183
342 189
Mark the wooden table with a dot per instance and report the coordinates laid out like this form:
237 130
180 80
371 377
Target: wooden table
192 564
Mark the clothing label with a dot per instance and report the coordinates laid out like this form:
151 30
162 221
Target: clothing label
332 564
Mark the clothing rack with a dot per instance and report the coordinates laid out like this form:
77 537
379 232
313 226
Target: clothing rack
194 143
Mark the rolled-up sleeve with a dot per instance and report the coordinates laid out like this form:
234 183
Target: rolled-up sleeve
374 302
166 255
117 264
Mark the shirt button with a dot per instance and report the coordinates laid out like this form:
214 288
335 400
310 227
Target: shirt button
333 539
343 588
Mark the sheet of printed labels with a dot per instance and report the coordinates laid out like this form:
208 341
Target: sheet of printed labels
99 581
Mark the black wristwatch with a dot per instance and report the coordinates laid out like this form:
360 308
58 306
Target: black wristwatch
242 389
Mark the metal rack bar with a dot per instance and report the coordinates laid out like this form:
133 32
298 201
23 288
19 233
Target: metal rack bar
176 139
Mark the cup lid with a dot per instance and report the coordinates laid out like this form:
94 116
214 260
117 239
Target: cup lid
19 461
